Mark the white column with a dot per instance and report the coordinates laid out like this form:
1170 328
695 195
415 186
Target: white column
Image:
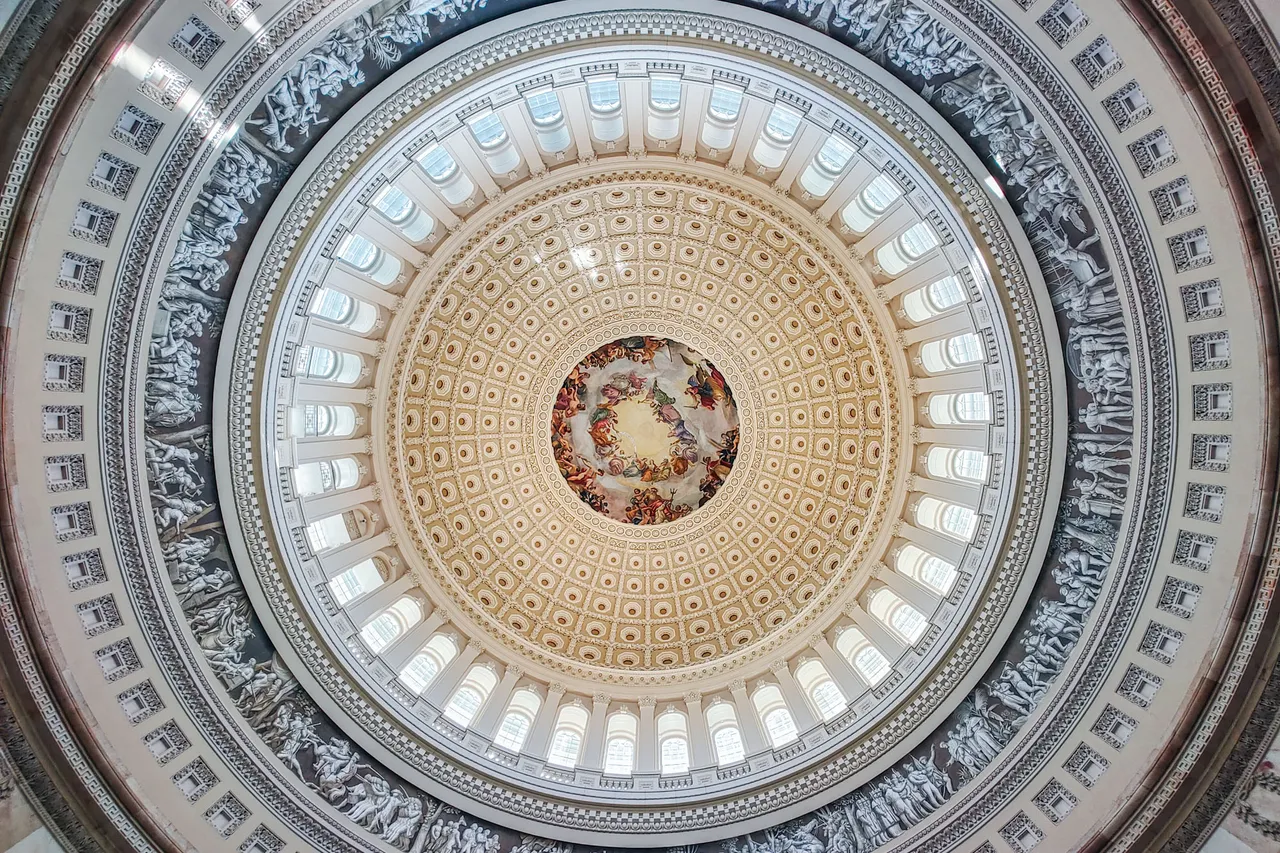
337 560
443 685
801 711
893 223
416 185
646 738
366 607
917 595
375 228
318 332
491 714
307 391
925 271
811 137
593 747
855 178
748 720
700 752
540 733
359 287
945 326
636 107
331 503
840 670
754 114
318 449
693 112
402 650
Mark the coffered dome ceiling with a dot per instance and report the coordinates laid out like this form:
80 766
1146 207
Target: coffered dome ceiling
821 427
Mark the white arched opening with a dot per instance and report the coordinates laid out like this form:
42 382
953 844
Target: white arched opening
969 407
442 170
547 115
673 742
721 119
665 93
867 660
928 570
726 735
952 353
821 689
957 463
471 694
490 134
774 715
362 578
402 212
323 364
567 736
423 668
925 303
869 205
907 623
775 139
382 630
326 475
369 259
827 165
958 522
907 248
620 744
518 719
604 100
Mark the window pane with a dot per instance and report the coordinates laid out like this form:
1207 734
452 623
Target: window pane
959 521
964 349
908 622
564 748
463 706
420 672
834 155
946 292
917 240
880 193
512 732
780 726
970 464
488 131
544 107
871 664
379 633
359 252
332 305
827 699
664 93
675 755
393 204
725 103
782 124
619 756
729 749
605 95
437 163
973 406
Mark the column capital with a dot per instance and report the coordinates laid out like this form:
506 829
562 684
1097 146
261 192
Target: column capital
513 670
600 699
556 687
778 666
647 702
693 697
738 685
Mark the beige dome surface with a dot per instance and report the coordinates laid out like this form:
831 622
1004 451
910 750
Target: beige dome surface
634 253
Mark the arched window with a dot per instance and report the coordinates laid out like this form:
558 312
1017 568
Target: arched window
926 569
723 109
471 695
933 299
870 204
318 420
487 130
952 463
776 138
970 407
664 106
827 165
620 744
954 520
951 353
824 694
774 715
491 135
350 584
518 720
901 618
383 629
909 247
673 742
332 305
549 123
604 97
437 163
400 210
419 672
329 475
566 737
867 660
334 530
726 737
452 183
327 365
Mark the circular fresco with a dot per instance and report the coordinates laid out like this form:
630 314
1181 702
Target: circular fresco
645 430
